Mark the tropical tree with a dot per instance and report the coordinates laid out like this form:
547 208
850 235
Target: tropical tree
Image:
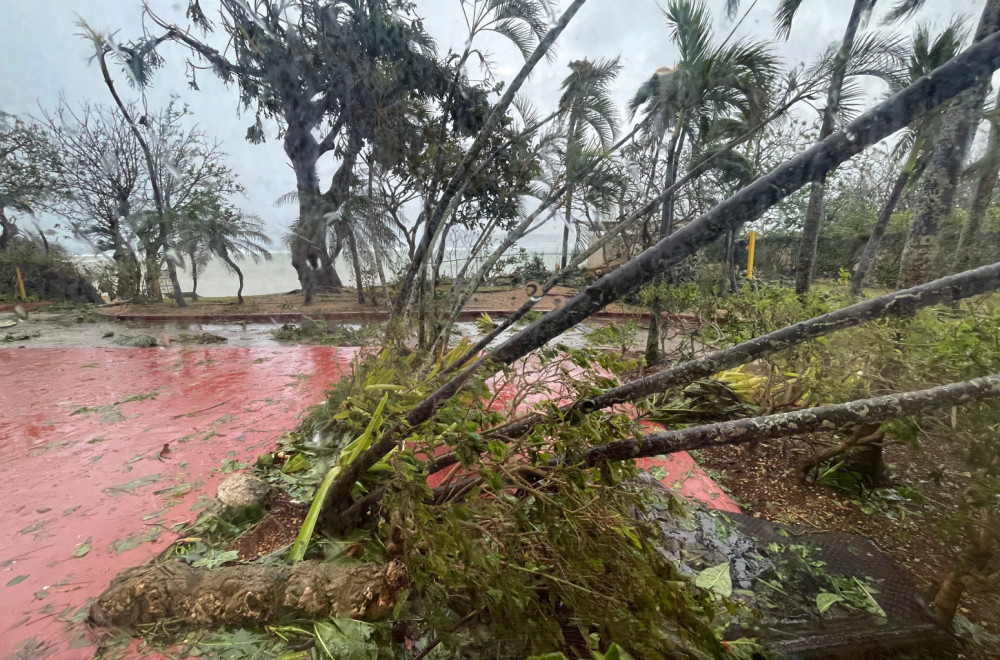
334 75
710 85
588 109
28 161
936 195
860 10
223 231
101 183
438 206
926 54
160 240
989 172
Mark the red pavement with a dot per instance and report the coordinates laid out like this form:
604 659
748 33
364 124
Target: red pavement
81 431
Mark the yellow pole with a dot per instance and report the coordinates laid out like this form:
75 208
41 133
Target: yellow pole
20 284
751 248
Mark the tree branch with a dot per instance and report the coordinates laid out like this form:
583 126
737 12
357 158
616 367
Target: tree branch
754 429
899 304
461 176
969 68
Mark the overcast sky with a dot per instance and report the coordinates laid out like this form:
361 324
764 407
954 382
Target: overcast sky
43 59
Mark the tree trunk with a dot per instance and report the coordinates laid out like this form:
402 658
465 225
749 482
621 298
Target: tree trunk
248 595
937 189
224 255
175 283
310 256
352 245
881 224
731 261
814 213
8 230
163 240
900 304
755 429
666 229
653 338
966 252
571 152
194 277
969 68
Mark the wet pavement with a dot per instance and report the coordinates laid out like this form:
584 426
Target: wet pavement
109 451
89 488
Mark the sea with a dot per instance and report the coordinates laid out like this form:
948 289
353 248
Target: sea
278 275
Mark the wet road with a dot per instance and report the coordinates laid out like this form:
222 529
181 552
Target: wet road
82 432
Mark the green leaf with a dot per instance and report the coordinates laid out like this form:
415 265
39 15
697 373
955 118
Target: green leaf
347 456
340 639
296 463
716 579
826 600
84 548
17 580
217 559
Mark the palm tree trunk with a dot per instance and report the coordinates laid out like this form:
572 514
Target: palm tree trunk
352 245
239 274
731 260
570 133
940 180
194 277
966 252
882 223
666 229
814 213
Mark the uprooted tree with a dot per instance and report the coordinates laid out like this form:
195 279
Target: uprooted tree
539 535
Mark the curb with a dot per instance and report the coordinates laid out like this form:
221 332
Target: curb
292 317
28 305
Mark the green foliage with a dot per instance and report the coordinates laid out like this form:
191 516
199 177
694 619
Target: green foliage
317 331
619 335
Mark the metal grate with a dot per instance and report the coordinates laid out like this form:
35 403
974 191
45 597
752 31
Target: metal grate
908 630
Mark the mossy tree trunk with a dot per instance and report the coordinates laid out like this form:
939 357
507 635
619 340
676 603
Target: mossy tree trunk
936 196
249 595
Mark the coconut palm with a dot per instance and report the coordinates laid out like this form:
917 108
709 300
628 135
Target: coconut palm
926 54
228 234
589 111
860 10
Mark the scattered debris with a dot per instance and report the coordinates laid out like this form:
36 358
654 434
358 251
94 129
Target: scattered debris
203 338
137 341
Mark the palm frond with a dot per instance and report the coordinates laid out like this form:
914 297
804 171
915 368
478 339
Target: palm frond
903 9
784 16
287 199
881 55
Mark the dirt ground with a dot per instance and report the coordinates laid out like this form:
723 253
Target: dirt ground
491 299
766 483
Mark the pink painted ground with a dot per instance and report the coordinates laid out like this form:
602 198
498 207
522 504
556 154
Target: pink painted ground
82 432
73 476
